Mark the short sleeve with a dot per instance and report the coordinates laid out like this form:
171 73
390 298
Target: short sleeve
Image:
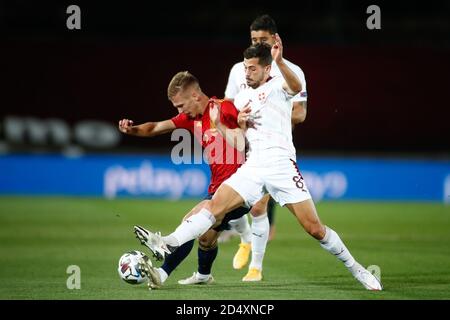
229 114
277 86
302 95
183 121
233 84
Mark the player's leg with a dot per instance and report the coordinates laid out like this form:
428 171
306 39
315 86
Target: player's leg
244 248
171 262
225 199
242 187
288 187
247 183
239 227
260 235
207 253
159 275
243 228
306 214
227 235
208 248
271 215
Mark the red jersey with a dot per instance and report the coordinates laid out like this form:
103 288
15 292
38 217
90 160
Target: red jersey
223 159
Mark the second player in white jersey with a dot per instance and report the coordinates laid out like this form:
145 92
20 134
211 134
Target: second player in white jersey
262 30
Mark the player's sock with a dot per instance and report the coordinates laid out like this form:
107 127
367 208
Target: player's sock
260 235
206 259
162 274
174 259
242 226
333 244
191 228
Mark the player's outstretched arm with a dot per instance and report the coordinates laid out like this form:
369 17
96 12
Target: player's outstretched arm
292 83
148 129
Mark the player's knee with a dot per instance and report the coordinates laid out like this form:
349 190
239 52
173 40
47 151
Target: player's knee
259 208
257 211
316 230
214 207
207 244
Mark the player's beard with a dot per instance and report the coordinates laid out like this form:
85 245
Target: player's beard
254 83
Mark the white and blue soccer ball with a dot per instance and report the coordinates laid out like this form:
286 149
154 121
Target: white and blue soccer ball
128 267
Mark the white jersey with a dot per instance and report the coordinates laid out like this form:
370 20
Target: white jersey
236 79
272 136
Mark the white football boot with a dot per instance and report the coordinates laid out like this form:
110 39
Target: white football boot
367 279
153 277
153 241
195 279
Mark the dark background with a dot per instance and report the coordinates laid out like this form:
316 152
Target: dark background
369 91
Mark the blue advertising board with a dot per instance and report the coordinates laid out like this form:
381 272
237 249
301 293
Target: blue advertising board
155 176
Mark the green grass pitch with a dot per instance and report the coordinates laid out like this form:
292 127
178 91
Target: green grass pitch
40 237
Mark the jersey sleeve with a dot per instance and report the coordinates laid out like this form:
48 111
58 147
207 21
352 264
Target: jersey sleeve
302 95
183 121
232 88
277 86
229 114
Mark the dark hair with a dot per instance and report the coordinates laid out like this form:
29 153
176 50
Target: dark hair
262 51
264 22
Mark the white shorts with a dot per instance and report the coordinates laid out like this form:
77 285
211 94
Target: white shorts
281 179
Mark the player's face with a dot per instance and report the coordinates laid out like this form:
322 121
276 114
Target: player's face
255 74
186 102
262 36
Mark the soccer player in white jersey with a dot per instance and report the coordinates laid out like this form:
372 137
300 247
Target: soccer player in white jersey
262 30
270 165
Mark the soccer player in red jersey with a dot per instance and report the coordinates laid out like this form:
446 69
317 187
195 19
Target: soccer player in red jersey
224 159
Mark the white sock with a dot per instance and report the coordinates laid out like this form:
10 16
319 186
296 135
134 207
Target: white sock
201 276
242 226
355 267
334 245
162 274
260 235
191 228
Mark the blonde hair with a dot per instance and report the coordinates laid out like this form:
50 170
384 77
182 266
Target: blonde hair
180 82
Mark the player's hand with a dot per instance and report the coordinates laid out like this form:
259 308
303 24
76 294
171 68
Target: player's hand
214 112
125 125
246 119
243 116
252 121
277 49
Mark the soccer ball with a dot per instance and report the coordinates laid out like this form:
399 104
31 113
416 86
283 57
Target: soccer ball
128 267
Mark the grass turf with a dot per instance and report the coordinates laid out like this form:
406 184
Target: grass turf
40 237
